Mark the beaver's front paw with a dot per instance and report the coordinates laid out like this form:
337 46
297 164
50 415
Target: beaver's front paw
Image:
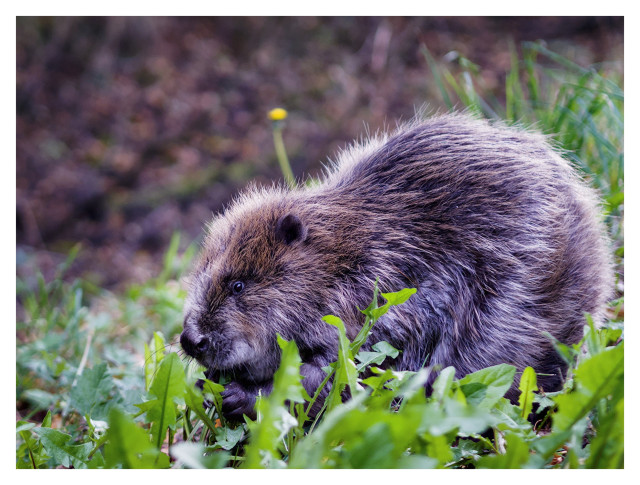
238 400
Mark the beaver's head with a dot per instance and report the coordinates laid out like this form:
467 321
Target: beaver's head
256 277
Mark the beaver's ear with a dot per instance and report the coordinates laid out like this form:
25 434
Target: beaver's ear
290 228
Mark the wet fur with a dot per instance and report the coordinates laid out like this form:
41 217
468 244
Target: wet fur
494 228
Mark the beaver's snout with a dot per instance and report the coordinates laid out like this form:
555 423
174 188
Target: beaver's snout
195 345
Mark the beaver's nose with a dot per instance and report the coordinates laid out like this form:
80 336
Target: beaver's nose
194 345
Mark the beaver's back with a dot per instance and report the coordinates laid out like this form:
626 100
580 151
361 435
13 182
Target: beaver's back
499 234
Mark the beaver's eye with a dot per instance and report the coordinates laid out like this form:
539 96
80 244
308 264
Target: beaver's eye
237 287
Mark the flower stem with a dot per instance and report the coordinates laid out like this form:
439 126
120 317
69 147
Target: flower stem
282 157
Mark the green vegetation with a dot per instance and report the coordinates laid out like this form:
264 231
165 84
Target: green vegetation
99 386
582 109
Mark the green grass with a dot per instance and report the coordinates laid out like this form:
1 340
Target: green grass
99 385
581 109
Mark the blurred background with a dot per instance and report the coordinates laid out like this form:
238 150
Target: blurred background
130 129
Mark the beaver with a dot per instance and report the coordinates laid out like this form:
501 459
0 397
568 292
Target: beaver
497 232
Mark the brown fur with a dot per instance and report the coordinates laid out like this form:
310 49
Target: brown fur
497 232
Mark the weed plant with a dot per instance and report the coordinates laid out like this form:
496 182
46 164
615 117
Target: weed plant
99 386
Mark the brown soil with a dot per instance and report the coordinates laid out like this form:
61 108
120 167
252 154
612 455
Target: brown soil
132 128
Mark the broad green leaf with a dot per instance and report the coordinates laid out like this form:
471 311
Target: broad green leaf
40 399
377 381
609 336
485 387
528 385
193 398
400 378
601 373
475 392
346 371
153 355
213 391
359 452
607 448
469 449
97 461
572 407
393 299
129 446
287 384
366 359
274 420
544 402
440 420
510 417
442 385
371 438
227 438
58 446
31 453
370 320
381 351
24 426
91 394
399 297
194 455
46 422
413 386
438 448
595 378
386 348
168 388
311 450
373 312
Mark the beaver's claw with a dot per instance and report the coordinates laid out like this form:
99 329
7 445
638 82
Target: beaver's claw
238 400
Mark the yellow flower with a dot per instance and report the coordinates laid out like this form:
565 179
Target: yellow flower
277 114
